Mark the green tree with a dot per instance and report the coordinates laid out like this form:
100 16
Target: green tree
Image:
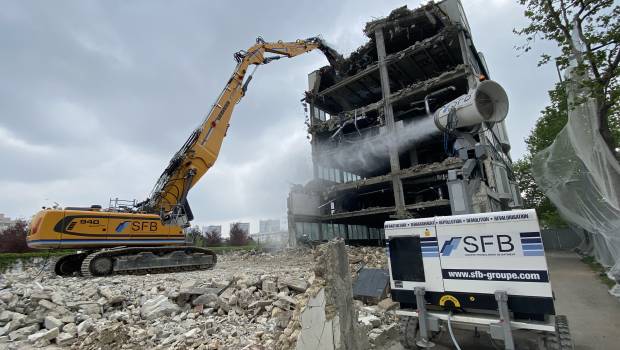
194 235
238 236
597 24
14 238
213 237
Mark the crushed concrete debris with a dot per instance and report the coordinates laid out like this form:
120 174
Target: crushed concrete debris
387 304
250 300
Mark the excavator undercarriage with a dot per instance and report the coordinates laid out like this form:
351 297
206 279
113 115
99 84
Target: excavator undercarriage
136 260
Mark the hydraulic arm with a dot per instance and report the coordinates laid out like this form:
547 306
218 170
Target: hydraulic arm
169 196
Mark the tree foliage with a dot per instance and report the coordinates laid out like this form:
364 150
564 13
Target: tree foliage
238 236
553 118
194 235
213 237
597 25
14 238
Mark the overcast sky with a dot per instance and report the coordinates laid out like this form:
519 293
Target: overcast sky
95 96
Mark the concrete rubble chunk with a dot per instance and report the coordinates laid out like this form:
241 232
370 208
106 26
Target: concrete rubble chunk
5 329
259 304
40 295
115 333
112 298
52 322
68 319
223 305
90 308
23 333
47 304
41 343
370 321
187 284
287 299
158 306
6 316
70 328
6 295
57 298
188 292
387 304
209 299
47 334
379 336
298 285
84 327
269 286
65 339
192 333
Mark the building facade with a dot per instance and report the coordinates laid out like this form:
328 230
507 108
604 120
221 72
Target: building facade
269 226
6 222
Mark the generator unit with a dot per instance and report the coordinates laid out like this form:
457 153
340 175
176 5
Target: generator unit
488 267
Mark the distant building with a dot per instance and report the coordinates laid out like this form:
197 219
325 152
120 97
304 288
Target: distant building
273 239
269 226
245 226
212 228
5 222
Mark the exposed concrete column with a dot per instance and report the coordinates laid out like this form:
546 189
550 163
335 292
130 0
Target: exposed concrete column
313 143
292 232
397 185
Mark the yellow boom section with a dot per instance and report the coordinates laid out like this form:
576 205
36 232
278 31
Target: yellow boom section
202 148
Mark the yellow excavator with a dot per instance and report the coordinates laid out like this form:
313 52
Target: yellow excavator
131 237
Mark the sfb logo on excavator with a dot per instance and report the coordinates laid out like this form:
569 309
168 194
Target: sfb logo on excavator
137 226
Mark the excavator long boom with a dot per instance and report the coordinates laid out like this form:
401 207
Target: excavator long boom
198 154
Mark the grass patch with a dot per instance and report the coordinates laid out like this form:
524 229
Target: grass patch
7 259
230 248
599 269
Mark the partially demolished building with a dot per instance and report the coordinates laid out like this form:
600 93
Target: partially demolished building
390 136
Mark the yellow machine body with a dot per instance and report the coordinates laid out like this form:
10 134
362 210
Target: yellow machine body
84 229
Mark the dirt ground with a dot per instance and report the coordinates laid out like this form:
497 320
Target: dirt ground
593 314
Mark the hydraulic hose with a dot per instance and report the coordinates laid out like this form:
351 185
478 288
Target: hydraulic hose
451 333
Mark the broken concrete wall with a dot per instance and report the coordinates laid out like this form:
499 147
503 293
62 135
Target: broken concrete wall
329 319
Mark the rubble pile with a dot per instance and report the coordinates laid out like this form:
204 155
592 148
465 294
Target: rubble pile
249 300
369 257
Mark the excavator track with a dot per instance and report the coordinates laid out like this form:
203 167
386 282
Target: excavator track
136 260
67 265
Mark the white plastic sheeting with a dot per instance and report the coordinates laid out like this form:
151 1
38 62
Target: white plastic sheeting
581 177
